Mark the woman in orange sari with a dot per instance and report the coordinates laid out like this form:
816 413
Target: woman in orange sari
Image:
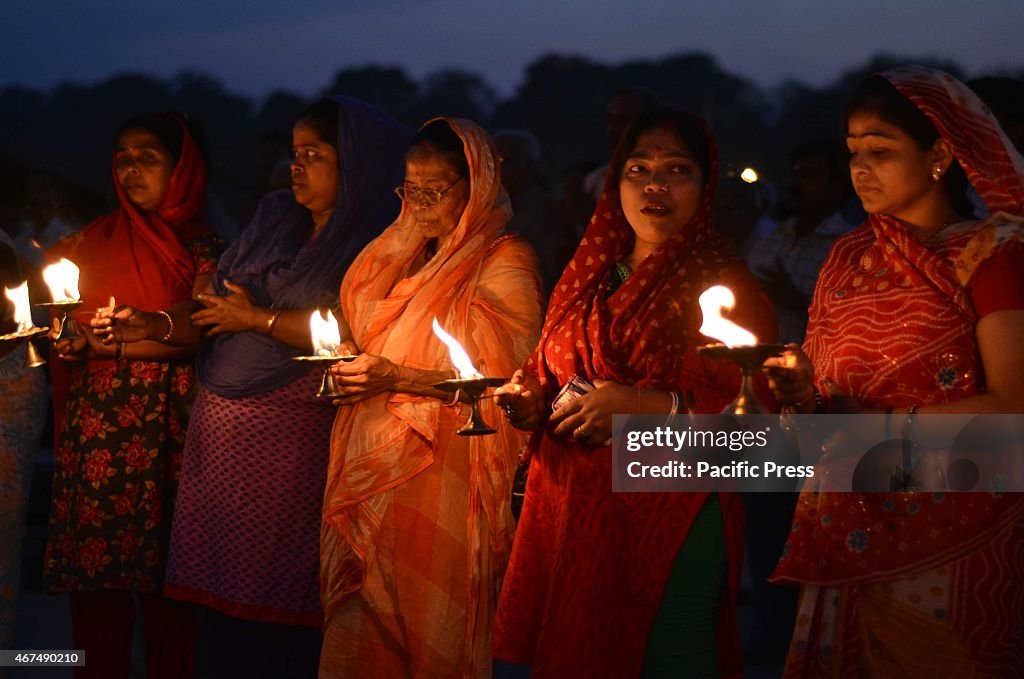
417 521
919 310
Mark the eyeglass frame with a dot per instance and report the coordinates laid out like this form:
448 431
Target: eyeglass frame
402 192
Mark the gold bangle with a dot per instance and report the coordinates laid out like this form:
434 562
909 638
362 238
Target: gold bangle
273 322
170 325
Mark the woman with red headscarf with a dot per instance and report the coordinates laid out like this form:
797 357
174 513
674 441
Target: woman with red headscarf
918 311
122 409
619 584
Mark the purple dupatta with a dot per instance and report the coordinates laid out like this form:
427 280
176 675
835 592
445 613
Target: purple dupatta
279 269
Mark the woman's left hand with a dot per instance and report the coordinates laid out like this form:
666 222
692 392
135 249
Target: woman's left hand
232 313
96 346
589 418
363 378
87 345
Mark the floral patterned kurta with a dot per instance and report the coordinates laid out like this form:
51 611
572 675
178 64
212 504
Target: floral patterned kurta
117 465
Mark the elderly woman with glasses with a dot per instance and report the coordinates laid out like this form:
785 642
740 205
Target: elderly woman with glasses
417 520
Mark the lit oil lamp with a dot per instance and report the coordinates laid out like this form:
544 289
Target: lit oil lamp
469 382
62 279
326 340
737 345
25 330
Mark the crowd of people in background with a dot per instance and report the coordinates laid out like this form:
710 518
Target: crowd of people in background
259 529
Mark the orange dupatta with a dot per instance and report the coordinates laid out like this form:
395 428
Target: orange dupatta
386 441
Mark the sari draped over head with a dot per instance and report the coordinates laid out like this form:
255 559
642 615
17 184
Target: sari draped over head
483 289
137 256
879 285
893 323
281 269
590 566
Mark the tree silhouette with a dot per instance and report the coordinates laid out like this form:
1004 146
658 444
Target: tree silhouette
386 86
457 93
68 131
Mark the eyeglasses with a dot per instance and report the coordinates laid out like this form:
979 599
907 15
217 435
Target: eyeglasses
426 197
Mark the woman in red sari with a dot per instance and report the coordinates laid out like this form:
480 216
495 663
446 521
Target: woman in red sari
121 427
920 310
616 584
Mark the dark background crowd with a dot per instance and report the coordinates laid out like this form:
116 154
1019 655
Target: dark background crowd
54 144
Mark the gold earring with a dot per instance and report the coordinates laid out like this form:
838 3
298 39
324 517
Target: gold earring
936 173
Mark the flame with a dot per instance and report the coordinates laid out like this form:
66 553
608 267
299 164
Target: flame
712 301
749 175
62 279
460 359
324 333
22 309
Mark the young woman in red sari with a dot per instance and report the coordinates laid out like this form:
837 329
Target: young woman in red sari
920 310
619 584
122 424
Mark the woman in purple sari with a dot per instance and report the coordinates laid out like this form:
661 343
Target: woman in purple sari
245 538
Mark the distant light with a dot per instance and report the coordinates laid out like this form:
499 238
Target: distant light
749 175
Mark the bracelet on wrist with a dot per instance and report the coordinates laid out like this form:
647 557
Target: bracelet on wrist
272 322
170 325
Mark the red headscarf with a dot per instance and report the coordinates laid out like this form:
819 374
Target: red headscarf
139 257
892 323
589 566
641 333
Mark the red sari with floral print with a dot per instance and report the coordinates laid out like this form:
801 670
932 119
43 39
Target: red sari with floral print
589 566
893 581
122 426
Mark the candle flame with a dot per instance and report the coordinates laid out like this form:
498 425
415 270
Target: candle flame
712 302
460 359
62 279
324 332
22 310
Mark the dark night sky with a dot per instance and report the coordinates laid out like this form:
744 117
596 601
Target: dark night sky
258 45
